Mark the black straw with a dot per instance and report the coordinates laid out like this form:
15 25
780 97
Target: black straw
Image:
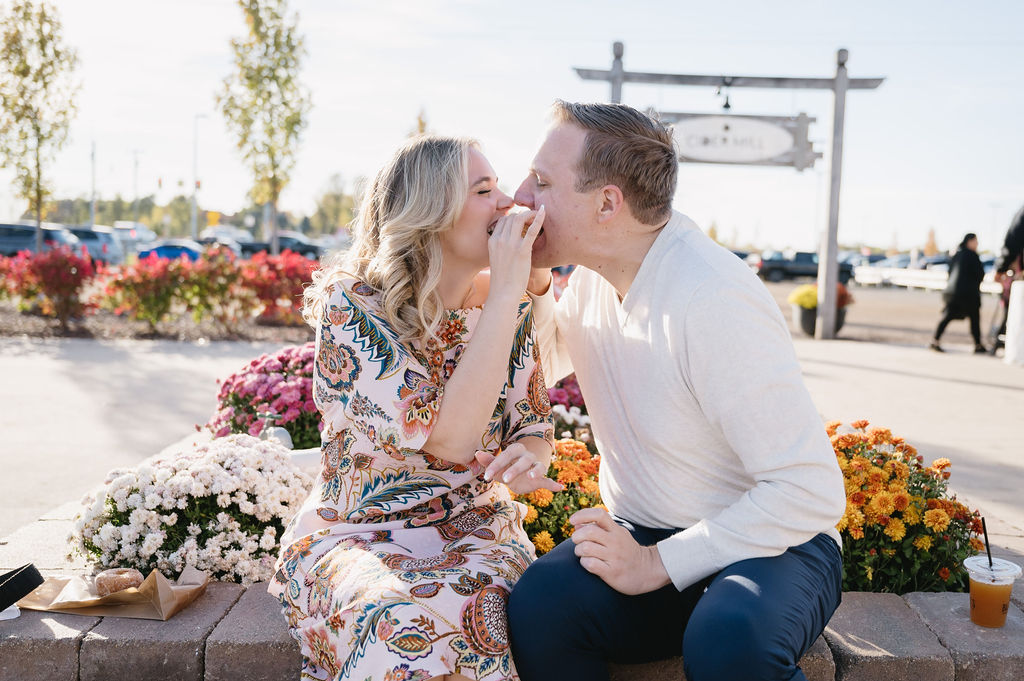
987 548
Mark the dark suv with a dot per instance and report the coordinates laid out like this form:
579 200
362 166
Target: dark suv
776 266
15 238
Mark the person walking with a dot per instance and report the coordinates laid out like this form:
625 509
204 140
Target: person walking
963 295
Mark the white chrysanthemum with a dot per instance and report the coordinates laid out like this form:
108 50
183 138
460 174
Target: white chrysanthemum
256 478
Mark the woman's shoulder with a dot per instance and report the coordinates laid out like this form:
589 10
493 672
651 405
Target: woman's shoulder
353 290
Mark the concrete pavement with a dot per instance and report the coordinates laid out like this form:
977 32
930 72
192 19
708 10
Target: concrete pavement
72 409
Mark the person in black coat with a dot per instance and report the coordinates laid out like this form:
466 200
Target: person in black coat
1008 268
962 295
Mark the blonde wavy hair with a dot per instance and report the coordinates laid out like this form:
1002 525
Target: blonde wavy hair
396 246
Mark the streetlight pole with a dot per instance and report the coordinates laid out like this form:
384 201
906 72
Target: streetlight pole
195 170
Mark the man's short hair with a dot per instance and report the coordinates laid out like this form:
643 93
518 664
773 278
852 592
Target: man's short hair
629 149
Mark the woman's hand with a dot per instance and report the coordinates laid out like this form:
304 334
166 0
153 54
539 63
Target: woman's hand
510 249
519 468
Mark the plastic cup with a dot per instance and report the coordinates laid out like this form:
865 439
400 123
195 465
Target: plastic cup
991 587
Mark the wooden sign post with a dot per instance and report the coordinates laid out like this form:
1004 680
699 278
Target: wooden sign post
828 268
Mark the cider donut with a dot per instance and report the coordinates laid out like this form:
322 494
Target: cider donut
117 579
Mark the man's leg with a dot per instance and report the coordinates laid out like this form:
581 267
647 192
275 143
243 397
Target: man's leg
567 624
759 616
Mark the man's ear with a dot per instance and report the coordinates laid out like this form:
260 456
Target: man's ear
611 202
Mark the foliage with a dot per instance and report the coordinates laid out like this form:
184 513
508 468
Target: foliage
901 531
806 296
263 102
278 282
214 286
335 208
220 507
281 383
547 513
37 96
147 289
54 280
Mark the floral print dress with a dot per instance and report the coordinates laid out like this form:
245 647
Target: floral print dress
399 564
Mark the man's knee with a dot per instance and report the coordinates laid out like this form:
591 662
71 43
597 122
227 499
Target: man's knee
731 642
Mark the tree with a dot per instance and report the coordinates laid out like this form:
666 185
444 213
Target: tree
713 232
37 97
263 102
930 247
422 127
334 208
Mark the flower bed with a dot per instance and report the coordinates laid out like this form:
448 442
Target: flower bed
153 289
280 383
547 512
220 507
901 530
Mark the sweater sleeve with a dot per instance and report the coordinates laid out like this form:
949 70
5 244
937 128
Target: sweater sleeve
549 324
739 363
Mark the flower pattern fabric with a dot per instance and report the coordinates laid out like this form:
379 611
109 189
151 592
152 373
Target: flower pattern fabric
399 564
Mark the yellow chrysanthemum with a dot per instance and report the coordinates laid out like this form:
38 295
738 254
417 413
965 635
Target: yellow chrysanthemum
540 498
531 514
879 436
936 520
883 503
583 501
895 529
543 541
911 516
923 543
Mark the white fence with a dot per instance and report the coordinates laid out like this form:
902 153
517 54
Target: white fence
866 275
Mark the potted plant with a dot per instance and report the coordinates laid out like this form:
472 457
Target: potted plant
804 301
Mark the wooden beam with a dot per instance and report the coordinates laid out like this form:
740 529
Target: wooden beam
728 81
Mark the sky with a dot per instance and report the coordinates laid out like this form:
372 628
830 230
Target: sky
939 145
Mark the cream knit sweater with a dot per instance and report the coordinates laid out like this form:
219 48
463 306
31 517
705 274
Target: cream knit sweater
697 405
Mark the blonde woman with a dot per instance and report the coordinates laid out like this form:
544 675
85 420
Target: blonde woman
399 564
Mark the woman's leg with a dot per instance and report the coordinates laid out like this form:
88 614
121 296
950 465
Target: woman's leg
976 327
941 328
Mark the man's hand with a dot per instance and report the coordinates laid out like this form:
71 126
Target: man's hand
540 280
609 551
519 468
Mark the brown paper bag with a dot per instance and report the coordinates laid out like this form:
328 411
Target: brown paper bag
155 599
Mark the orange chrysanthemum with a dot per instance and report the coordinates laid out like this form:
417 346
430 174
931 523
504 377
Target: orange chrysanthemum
860 425
936 520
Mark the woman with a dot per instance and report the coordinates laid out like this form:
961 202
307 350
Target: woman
962 295
399 565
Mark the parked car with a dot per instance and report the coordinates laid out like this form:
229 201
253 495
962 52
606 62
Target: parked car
172 249
295 242
221 240
858 259
900 261
101 243
776 266
15 238
134 236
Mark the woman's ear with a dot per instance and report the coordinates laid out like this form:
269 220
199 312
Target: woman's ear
611 202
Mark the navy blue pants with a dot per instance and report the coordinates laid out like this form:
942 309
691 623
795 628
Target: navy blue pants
753 620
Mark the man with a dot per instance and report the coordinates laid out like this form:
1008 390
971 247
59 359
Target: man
721 486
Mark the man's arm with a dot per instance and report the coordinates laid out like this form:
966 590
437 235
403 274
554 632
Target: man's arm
547 315
740 364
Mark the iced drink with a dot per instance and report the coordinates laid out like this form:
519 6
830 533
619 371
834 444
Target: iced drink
991 587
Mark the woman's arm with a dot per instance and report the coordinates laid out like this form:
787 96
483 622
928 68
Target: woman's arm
473 389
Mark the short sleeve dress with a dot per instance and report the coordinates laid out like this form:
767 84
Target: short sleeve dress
399 564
